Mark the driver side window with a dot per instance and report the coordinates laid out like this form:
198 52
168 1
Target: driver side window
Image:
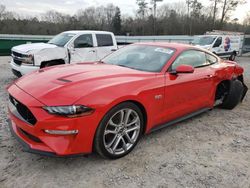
218 42
194 58
84 41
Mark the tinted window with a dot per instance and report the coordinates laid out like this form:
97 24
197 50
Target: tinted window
141 57
191 57
211 59
84 41
104 40
218 42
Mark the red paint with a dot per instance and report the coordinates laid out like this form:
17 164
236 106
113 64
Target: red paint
101 87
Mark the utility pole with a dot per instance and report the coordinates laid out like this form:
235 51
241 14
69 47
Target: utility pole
154 5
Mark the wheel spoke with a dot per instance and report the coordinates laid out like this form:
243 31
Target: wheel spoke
117 141
124 145
133 128
127 116
128 138
110 132
112 141
133 122
112 123
122 116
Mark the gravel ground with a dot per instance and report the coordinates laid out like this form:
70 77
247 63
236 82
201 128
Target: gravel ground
210 150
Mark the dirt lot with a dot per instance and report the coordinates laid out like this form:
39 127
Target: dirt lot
210 150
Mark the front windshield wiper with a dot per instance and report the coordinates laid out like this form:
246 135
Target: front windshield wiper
100 61
126 66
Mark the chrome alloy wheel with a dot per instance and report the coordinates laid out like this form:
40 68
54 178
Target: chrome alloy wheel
122 131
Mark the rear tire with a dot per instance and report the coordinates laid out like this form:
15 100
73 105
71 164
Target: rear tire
119 131
234 95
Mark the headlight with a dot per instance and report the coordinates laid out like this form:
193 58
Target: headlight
29 59
69 111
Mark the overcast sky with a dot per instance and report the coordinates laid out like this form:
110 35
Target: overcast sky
34 7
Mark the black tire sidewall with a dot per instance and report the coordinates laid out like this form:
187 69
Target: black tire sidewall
51 63
234 96
98 141
232 57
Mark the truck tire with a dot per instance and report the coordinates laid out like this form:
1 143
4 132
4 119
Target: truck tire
232 57
234 95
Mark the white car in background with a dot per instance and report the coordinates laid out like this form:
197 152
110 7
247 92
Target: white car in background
67 47
223 45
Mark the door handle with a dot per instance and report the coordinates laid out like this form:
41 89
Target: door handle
92 51
113 50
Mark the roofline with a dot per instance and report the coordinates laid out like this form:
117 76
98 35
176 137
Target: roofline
87 31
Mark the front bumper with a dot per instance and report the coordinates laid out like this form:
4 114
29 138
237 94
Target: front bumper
36 140
20 70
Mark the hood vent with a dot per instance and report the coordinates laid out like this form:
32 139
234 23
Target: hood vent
64 80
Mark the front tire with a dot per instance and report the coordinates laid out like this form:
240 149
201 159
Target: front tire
50 63
119 131
232 57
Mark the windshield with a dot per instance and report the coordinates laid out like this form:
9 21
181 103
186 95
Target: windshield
61 39
206 40
140 57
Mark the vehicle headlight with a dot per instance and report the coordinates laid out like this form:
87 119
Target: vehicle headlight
29 59
69 111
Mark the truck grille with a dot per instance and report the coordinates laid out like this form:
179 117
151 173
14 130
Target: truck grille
23 111
18 54
18 57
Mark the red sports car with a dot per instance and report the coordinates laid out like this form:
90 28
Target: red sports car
107 106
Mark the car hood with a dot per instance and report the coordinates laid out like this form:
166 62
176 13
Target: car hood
25 48
65 84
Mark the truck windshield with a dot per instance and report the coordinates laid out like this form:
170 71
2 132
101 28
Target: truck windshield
61 39
206 40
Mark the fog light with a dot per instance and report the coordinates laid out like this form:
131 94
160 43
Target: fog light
61 132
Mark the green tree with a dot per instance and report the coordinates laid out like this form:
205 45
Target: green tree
117 22
227 7
143 5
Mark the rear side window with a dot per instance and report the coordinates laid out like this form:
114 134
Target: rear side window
104 40
211 59
191 57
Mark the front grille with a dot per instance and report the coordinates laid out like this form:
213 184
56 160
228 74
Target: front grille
18 57
23 111
18 54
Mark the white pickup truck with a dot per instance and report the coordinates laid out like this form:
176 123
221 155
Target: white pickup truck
67 47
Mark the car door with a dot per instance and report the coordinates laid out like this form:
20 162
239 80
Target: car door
83 49
188 92
218 46
106 45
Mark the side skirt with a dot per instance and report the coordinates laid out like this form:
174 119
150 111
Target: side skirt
180 119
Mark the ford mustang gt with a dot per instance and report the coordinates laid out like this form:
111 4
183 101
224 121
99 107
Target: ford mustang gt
107 106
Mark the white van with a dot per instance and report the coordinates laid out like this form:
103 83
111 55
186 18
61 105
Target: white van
67 47
223 45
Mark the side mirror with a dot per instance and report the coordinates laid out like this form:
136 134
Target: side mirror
183 69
